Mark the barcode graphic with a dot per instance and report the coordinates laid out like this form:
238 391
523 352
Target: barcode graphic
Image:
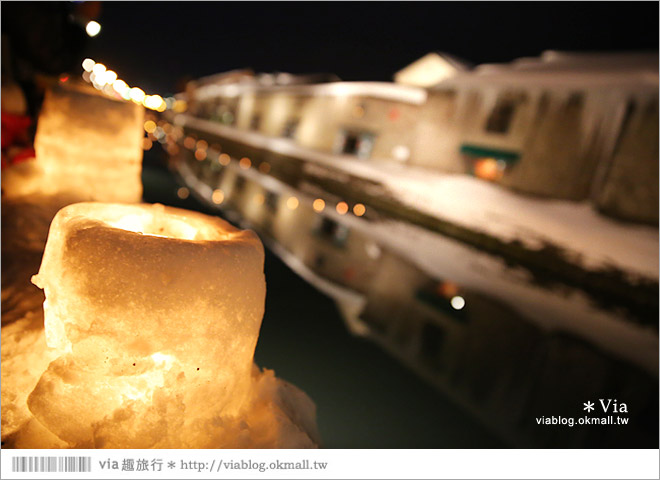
51 464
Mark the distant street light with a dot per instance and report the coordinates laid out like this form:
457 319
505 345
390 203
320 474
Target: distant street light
93 28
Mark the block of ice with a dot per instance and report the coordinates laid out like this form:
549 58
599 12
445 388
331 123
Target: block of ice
150 306
89 144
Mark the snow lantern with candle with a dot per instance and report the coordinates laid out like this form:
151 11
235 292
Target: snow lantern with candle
154 314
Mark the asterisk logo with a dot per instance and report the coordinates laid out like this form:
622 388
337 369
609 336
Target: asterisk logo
171 464
588 406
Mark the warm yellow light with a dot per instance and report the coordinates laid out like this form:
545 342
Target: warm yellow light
224 159
183 193
98 69
189 143
342 208
318 205
137 95
292 203
218 196
447 289
245 163
180 106
152 102
488 169
88 64
264 167
93 28
171 367
122 89
99 80
202 144
146 143
200 154
359 209
110 77
457 302
149 126
107 89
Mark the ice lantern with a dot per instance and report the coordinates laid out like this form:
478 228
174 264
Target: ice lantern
155 313
90 145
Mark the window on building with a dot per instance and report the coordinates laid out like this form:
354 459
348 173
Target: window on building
355 142
271 201
290 127
500 117
574 102
255 122
544 105
332 231
445 297
625 124
239 185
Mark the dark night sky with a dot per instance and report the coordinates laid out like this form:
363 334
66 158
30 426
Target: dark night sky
153 44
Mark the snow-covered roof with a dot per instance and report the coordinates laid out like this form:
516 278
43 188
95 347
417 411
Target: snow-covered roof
431 69
568 69
380 90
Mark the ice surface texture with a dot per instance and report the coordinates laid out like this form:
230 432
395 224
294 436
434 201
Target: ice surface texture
154 313
86 144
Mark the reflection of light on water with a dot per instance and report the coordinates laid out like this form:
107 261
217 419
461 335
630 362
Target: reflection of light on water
457 302
218 196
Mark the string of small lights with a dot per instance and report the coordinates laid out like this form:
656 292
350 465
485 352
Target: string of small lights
172 137
107 81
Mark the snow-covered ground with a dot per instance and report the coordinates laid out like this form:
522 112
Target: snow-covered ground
575 227
585 235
